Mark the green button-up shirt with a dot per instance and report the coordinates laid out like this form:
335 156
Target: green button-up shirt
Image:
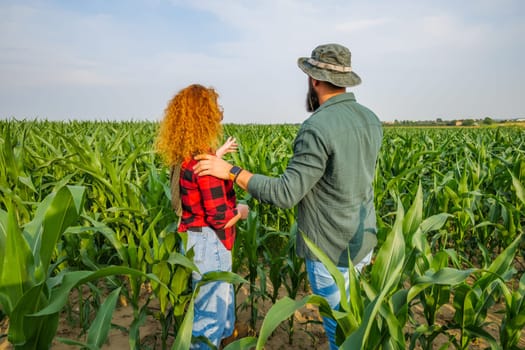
330 178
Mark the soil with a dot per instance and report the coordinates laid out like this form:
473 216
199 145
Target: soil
307 333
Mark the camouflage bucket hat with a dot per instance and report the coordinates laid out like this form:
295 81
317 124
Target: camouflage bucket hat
332 63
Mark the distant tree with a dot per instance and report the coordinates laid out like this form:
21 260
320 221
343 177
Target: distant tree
439 120
488 121
468 122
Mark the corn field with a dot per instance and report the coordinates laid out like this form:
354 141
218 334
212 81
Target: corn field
85 206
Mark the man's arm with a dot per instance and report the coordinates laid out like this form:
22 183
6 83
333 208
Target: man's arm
303 171
243 179
212 165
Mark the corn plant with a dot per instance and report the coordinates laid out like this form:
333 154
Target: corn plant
99 330
513 322
250 239
286 269
472 301
24 266
463 188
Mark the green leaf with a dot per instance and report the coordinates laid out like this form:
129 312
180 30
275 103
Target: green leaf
414 215
384 277
77 193
59 294
77 343
518 187
26 180
481 333
108 233
183 339
3 240
180 259
501 266
444 276
21 329
358 339
99 329
386 270
283 309
60 214
134 328
242 344
222 276
332 269
17 265
47 330
33 229
434 222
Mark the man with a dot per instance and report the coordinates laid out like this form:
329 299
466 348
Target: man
329 175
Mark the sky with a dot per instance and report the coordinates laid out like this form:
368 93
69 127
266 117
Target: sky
125 59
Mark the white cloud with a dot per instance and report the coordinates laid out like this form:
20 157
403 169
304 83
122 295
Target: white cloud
404 51
351 27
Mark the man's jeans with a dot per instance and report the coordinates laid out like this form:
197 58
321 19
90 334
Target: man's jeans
214 305
324 285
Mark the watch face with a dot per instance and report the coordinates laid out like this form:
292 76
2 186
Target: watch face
234 171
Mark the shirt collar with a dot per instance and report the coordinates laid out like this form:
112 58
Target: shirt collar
347 96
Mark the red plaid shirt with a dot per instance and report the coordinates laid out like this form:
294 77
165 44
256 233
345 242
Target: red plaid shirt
207 201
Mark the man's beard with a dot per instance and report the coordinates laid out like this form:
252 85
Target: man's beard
312 100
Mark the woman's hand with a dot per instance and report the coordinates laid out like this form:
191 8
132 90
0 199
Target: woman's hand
242 213
229 146
243 209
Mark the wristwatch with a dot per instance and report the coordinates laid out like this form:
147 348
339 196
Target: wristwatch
234 172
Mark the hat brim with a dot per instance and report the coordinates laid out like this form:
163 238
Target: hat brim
341 79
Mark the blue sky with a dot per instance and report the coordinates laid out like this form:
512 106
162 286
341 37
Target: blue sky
124 59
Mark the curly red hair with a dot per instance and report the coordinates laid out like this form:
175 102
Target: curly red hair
191 124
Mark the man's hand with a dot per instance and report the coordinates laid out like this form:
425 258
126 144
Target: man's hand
229 146
212 165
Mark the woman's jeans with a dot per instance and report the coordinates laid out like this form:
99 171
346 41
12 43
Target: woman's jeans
324 285
214 305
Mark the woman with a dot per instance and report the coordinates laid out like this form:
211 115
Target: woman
192 125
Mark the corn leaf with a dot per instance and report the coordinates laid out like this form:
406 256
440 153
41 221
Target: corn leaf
99 329
3 239
386 270
242 344
444 276
283 309
332 269
518 187
59 294
62 213
183 339
78 343
17 265
414 215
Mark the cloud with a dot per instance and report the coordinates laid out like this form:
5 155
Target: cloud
361 25
37 51
136 57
